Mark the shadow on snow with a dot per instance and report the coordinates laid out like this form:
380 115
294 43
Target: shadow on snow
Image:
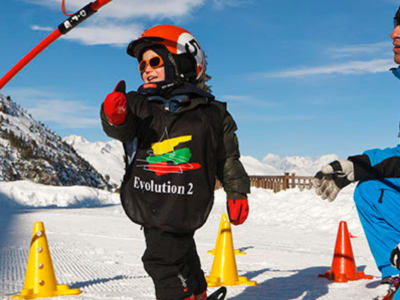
83 284
8 211
305 283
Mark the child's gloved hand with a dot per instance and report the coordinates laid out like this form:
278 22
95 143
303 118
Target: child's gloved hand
115 104
238 210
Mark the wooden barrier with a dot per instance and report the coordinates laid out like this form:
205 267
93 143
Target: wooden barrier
278 183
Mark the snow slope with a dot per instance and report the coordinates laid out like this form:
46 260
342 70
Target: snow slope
289 239
26 194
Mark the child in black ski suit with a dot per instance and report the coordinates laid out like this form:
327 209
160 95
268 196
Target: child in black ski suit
177 139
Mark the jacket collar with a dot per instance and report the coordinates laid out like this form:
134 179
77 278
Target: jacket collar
396 72
169 89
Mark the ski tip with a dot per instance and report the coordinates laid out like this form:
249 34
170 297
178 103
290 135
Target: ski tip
218 294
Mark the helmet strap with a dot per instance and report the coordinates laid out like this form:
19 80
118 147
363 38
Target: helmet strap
179 77
184 65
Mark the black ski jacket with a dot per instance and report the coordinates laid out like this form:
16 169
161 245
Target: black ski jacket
172 160
377 164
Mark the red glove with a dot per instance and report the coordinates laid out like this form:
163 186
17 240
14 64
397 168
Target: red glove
115 104
238 210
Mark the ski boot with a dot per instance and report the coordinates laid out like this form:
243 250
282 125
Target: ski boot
217 295
202 296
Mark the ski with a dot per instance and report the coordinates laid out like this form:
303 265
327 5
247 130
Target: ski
218 294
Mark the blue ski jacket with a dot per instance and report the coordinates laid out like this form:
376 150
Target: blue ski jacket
378 164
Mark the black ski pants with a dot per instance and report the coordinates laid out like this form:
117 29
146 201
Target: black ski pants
172 262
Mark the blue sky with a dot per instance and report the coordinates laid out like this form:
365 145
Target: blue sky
300 77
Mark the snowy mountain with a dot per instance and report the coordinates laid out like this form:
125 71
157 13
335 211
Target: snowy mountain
302 166
29 150
107 158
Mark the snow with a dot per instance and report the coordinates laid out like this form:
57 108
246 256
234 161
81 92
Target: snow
30 150
26 194
289 236
98 152
302 166
289 239
255 167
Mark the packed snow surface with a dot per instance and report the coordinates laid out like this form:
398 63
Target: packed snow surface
289 239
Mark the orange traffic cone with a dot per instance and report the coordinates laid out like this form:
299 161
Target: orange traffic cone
224 270
237 251
343 264
40 280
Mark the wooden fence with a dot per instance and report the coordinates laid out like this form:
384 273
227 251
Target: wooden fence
278 183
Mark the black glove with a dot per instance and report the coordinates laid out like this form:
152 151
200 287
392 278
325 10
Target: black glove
332 178
395 257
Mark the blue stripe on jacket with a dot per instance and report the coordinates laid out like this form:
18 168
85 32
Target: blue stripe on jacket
376 156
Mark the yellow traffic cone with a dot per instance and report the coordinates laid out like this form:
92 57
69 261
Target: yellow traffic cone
224 270
221 223
40 280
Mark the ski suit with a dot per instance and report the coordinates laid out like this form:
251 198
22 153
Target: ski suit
377 198
172 160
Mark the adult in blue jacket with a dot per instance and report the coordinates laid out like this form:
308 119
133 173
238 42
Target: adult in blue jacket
377 195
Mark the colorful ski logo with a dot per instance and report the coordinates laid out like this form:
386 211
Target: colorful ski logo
165 159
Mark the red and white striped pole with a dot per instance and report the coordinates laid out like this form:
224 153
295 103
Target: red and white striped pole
73 21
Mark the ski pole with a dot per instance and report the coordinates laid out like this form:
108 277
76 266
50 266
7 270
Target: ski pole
73 21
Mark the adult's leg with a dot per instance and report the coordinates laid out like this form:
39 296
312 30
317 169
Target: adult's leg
378 206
